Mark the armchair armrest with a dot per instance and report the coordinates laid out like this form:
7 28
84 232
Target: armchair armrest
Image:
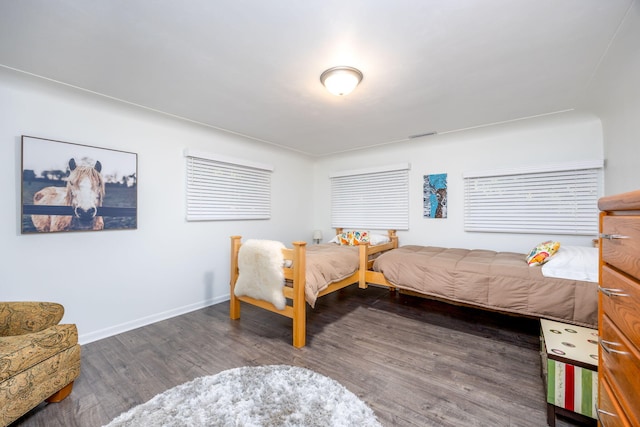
20 352
18 318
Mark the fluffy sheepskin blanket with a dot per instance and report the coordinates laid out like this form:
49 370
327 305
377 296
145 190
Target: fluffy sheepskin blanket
260 271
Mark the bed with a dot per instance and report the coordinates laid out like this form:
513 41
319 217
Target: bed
308 272
563 289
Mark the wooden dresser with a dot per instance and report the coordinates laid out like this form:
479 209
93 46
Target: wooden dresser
619 311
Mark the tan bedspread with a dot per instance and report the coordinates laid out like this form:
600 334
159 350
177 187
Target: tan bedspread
495 280
326 264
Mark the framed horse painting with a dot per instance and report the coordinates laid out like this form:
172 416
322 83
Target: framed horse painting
74 187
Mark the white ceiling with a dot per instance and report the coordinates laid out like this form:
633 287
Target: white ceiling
253 67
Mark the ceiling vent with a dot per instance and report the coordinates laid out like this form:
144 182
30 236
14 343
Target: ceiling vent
420 135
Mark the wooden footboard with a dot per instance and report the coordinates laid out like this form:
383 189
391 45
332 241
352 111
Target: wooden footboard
295 274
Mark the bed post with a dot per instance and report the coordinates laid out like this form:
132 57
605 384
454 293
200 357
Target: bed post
393 237
299 302
234 307
363 256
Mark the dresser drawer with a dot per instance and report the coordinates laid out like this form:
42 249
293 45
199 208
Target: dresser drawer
620 296
621 367
609 412
622 250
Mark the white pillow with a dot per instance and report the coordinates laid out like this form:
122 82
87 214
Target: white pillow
378 239
574 263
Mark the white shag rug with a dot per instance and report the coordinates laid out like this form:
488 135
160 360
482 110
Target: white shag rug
273 395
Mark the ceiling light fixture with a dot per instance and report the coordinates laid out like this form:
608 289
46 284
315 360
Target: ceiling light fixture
341 81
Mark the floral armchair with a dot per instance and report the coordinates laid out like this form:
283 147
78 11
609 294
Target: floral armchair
39 359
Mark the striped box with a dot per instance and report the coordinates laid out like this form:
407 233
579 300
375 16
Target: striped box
569 363
572 387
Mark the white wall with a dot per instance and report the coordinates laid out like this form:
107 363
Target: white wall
615 98
112 281
115 280
556 138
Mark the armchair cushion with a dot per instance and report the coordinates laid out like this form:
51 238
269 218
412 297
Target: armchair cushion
21 352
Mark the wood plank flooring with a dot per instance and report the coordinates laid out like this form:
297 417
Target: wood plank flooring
415 362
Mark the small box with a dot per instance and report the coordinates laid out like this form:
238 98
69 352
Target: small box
570 370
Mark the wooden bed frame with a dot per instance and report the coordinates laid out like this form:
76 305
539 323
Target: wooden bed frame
296 273
376 278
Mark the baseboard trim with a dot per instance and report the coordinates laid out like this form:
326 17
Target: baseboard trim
143 321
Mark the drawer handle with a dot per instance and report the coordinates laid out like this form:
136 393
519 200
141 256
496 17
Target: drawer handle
614 236
602 411
611 292
606 346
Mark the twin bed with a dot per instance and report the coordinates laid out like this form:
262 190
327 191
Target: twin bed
498 281
309 272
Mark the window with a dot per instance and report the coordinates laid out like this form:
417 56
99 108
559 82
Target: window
220 188
376 198
560 199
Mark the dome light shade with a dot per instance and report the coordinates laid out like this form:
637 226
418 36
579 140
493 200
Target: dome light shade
341 81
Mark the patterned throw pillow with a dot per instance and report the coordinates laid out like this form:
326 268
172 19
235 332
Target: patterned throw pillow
353 238
542 253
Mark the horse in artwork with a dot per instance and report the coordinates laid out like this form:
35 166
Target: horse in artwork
84 192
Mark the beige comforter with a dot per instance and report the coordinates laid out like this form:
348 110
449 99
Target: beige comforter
326 264
495 280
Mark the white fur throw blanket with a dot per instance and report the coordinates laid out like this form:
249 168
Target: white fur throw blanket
260 271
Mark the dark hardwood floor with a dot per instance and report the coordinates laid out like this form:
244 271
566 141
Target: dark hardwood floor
415 362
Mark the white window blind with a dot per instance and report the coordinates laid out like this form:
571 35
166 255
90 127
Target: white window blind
560 199
375 198
222 188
